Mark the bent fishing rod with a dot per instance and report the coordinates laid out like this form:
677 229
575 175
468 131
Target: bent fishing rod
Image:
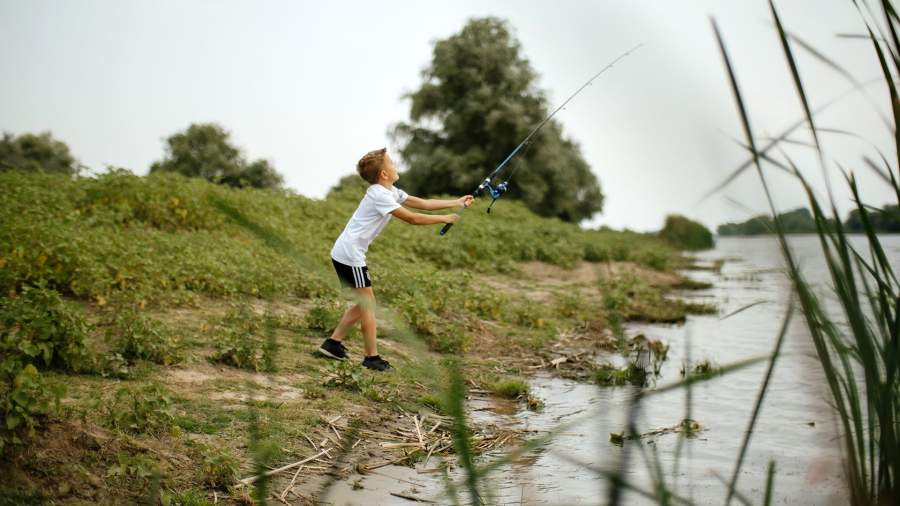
497 191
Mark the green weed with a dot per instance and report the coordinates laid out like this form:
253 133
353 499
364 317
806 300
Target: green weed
242 345
187 498
702 369
139 337
219 468
347 375
146 410
609 375
324 315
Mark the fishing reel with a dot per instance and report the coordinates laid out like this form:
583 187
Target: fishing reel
494 191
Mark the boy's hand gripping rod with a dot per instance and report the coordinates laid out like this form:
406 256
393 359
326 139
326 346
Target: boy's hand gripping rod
497 191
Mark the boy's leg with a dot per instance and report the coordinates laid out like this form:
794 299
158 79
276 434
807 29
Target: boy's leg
351 316
367 312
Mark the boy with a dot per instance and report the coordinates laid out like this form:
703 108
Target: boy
382 200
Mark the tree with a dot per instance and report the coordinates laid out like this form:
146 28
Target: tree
477 102
349 183
39 152
885 219
686 234
797 221
205 150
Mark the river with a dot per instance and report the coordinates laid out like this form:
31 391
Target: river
796 428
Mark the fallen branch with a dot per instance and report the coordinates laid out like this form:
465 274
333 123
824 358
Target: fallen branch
247 481
411 498
418 431
291 485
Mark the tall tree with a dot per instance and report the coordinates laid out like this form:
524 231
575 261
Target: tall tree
36 152
205 150
477 101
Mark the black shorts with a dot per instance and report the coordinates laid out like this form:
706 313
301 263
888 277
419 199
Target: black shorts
352 277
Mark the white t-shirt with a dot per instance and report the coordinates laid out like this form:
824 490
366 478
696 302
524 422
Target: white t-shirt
373 213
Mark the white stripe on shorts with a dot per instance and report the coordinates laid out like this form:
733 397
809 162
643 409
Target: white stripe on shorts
357 275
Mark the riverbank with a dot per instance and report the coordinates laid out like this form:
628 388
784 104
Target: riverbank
190 422
175 323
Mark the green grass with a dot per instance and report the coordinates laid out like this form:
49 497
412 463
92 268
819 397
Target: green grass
165 240
510 388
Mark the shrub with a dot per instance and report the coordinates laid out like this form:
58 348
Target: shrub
37 329
149 410
218 467
40 327
139 337
610 375
324 315
702 369
347 375
128 465
686 234
511 388
242 347
25 399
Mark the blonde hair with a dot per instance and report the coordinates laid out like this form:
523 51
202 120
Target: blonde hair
371 164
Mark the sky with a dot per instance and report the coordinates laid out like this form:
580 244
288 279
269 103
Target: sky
312 86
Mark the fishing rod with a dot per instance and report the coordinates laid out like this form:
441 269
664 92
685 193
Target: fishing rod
497 191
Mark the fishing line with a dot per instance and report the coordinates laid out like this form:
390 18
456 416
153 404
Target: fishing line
497 191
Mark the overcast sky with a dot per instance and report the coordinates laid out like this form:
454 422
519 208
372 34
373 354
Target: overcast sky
312 86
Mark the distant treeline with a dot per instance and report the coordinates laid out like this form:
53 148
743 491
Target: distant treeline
800 221
203 150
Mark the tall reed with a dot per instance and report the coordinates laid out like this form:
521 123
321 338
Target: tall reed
857 348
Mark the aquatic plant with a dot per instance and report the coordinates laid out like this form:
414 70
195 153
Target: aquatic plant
858 350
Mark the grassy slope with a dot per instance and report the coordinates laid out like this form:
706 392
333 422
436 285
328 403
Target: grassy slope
155 247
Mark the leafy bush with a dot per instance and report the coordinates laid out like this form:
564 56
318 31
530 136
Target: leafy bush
40 327
702 369
686 234
529 313
139 337
149 410
121 198
219 467
133 466
37 329
249 342
324 315
347 375
610 375
24 401
511 388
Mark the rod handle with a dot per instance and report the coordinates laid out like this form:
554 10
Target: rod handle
445 228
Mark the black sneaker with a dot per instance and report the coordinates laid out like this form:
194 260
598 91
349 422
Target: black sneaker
376 363
333 349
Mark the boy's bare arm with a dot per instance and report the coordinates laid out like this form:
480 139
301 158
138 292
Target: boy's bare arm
435 204
423 219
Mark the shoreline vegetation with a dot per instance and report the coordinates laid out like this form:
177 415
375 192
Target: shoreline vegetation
155 345
800 221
